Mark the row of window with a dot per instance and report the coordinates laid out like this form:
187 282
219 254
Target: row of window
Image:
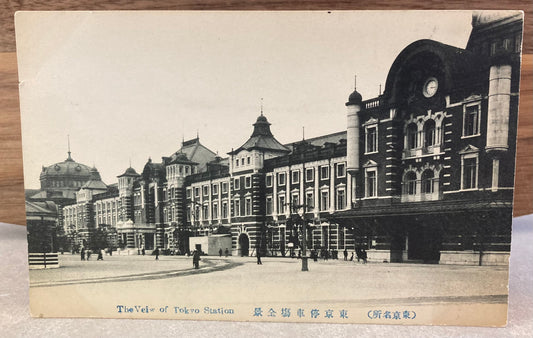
60 184
340 169
323 202
172 170
202 212
243 160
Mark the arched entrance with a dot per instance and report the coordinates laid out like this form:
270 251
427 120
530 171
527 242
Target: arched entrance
244 245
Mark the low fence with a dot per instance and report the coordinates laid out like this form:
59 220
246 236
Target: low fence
43 260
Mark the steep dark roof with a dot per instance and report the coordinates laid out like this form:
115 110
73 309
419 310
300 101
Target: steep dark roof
320 140
129 172
262 138
153 171
195 154
180 158
41 208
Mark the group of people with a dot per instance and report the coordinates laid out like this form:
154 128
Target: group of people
87 253
361 255
226 252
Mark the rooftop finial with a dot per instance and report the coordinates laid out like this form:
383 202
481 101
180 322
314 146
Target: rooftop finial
68 141
380 89
261 106
197 134
303 133
130 162
355 82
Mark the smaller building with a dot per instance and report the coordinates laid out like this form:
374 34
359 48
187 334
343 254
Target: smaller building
211 245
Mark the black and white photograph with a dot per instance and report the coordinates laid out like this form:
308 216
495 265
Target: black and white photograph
287 166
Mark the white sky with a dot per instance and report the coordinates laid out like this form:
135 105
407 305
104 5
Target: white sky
131 84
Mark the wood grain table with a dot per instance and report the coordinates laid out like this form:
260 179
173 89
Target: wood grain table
11 175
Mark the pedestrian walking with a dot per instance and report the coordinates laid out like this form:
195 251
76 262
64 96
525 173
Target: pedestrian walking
351 258
88 254
226 252
196 259
82 254
220 252
259 258
364 256
156 253
346 254
143 251
100 256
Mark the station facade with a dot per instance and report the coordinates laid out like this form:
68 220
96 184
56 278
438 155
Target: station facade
423 172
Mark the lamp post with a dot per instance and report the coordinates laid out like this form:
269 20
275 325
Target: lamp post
331 211
301 213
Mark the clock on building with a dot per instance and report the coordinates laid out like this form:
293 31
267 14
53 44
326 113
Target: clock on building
430 87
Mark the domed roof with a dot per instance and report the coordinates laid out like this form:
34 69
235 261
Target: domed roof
354 99
261 118
69 168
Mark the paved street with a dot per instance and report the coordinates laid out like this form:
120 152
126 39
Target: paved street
239 283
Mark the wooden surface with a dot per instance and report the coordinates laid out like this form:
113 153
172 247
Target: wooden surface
11 176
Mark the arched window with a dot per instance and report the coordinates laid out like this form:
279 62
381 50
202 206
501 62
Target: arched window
429 133
411 136
427 181
410 183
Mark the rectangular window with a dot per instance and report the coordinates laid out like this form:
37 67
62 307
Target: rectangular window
471 120
268 180
248 160
205 190
493 47
309 175
205 211
295 201
341 170
309 201
341 199
214 213
237 162
224 209
324 200
248 206
281 178
295 177
237 207
248 182
324 172
242 161
281 204
518 43
470 173
215 189
237 184
371 183
224 188
196 192
371 139
269 205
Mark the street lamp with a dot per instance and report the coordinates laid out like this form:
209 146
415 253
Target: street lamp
301 213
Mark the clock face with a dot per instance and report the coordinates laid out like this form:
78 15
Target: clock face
430 87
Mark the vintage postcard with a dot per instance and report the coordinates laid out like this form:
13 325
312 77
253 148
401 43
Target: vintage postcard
337 167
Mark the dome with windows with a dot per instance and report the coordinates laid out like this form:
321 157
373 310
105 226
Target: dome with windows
68 174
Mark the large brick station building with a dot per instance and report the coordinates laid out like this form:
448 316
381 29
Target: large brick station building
423 172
